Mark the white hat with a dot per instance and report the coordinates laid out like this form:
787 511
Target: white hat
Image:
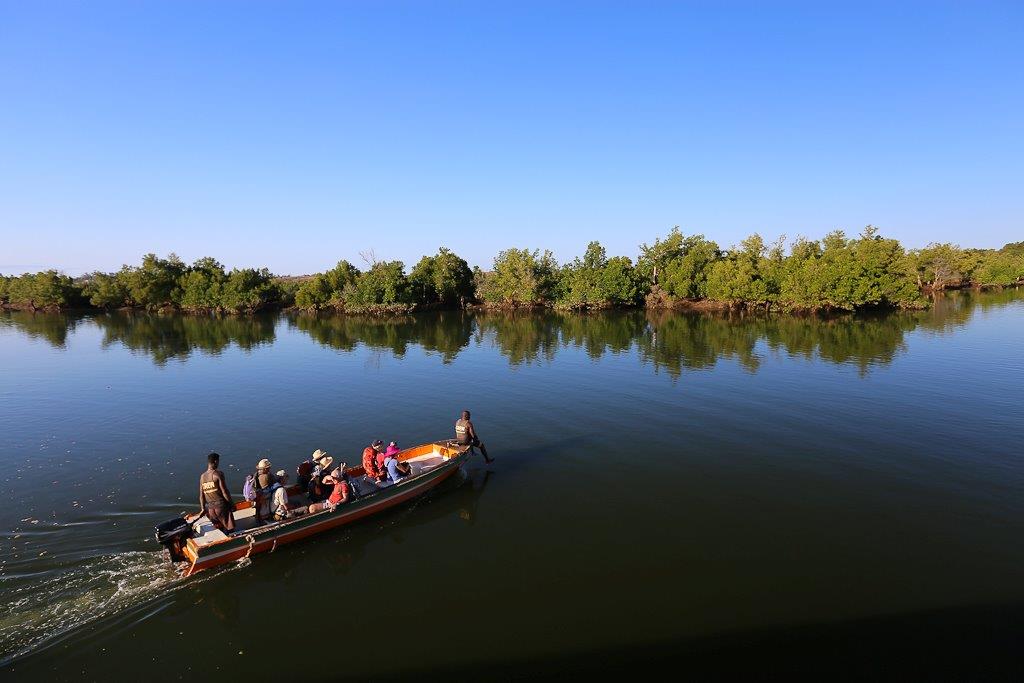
263 464
281 473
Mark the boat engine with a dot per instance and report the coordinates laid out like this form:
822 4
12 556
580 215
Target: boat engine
172 535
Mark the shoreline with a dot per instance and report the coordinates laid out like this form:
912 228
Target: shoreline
653 303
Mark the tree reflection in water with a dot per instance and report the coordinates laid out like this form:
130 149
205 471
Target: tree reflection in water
667 341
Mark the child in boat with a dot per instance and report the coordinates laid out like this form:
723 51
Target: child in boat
281 509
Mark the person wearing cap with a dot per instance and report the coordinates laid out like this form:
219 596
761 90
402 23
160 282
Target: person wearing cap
370 468
264 482
214 499
281 509
339 490
465 434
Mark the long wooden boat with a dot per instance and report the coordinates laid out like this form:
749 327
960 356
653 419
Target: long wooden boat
199 544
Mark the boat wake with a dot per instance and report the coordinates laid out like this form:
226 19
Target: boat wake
42 607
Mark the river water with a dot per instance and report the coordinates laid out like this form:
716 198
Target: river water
781 491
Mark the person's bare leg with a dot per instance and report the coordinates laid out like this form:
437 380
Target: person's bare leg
483 451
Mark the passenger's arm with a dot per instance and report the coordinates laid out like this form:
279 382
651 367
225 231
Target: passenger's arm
224 489
202 498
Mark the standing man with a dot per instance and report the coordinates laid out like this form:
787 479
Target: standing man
214 498
465 434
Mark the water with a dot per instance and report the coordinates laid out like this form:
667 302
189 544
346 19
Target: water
726 490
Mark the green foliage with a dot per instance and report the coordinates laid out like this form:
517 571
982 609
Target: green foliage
247 290
595 281
154 284
655 258
444 278
520 277
744 275
382 288
44 290
202 286
999 268
938 266
327 290
835 273
686 275
106 290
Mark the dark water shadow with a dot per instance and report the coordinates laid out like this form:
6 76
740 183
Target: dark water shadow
972 643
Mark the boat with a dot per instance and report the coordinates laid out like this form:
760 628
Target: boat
198 545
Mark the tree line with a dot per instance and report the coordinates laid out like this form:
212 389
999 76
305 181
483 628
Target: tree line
834 273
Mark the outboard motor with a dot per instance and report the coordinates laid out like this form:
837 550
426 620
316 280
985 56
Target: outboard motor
172 535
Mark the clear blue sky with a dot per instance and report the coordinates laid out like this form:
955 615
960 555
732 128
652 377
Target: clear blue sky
293 134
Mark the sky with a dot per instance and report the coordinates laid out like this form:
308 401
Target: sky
294 134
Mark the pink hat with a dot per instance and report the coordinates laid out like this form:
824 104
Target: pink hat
392 449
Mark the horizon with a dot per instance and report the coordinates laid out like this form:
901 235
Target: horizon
295 136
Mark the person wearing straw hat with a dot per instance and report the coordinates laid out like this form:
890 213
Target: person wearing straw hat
317 490
321 462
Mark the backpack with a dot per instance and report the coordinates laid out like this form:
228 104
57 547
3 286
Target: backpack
316 490
249 489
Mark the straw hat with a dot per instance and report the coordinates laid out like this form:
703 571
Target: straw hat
263 464
317 454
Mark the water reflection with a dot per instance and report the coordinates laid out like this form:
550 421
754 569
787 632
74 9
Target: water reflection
444 332
669 342
166 337
50 327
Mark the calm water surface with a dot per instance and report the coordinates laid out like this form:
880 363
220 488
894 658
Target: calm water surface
664 483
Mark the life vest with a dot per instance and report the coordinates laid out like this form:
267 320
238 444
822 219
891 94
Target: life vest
211 491
462 431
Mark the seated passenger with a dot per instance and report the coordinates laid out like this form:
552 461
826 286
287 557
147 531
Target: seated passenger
396 470
370 468
304 472
281 509
393 449
321 462
339 491
316 489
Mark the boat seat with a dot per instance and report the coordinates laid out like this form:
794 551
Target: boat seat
424 463
203 531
